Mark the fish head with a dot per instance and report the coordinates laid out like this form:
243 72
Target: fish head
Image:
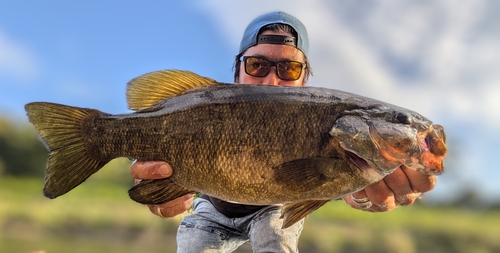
385 138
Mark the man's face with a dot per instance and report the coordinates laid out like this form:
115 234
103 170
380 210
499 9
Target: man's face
272 52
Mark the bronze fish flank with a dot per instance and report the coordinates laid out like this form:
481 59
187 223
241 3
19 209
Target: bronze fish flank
252 144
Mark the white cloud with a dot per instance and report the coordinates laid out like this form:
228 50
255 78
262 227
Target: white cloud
453 50
17 61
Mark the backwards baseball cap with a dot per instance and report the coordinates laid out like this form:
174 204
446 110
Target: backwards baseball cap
251 36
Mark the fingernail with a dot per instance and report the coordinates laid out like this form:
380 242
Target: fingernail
383 206
164 170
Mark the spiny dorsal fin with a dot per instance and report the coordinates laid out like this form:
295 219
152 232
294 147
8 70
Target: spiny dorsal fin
151 88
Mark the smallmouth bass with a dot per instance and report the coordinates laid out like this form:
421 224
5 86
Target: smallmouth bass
250 144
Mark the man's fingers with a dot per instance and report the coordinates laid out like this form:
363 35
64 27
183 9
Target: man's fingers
350 199
419 181
174 207
150 170
359 195
400 185
156 170
381 196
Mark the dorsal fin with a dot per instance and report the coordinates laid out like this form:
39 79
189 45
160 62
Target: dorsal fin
151 88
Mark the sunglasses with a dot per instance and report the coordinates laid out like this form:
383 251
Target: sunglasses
260 67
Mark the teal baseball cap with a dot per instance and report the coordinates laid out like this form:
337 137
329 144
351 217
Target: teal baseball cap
251 36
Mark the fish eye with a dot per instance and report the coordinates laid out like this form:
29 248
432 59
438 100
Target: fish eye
403 118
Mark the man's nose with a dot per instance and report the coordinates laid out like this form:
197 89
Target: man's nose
272 78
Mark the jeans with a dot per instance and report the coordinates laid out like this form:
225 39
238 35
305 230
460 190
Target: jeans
207 230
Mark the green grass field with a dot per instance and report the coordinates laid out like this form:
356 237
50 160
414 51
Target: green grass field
99 217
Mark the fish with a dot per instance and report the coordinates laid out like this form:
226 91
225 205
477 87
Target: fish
298 147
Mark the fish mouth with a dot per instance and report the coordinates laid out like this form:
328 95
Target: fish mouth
425 153
382 146
433 145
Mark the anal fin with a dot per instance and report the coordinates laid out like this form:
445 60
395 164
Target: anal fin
157 191
293 212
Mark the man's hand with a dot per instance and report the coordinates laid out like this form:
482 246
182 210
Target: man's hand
400 188
156 170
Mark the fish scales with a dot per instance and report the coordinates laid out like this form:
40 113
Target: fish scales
223 142
252 144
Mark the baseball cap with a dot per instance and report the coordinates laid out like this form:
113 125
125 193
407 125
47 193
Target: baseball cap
251 38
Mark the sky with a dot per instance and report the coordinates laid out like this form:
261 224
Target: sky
439 58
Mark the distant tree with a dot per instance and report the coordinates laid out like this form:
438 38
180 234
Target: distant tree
468 198
21 151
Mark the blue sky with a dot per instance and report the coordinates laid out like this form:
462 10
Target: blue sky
438 58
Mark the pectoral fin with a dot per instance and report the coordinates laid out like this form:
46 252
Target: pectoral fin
308 172
157 191
293 212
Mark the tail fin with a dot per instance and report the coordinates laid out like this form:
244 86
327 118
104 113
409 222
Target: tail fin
60 127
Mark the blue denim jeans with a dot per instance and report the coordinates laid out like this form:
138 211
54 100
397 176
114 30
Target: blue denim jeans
207 230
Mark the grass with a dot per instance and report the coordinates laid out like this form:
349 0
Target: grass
92 218
415 228
99 217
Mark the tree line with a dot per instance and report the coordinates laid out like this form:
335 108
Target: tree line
21 151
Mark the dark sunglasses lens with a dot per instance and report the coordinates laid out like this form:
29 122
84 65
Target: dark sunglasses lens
289 70
257 67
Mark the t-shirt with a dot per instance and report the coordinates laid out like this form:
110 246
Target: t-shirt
232 210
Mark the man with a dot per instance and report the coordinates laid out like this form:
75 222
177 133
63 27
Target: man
273 51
